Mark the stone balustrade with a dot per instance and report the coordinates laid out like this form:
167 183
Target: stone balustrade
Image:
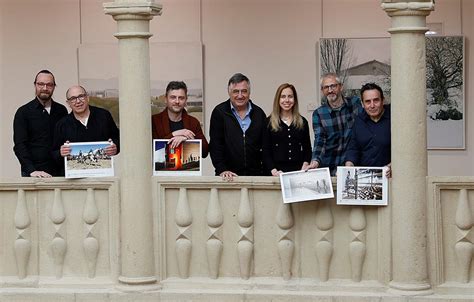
215 236
58 233
241 230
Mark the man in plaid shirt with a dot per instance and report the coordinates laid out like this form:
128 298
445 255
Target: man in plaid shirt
332 125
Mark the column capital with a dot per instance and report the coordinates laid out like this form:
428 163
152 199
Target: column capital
408 16
408 8
136 12
133 9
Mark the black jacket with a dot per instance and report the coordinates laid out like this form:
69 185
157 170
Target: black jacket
287 148
230 148
100 127
33 130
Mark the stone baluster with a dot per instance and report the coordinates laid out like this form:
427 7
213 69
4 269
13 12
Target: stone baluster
286 242
409 159
215 219
184 220
324 223
90 216
22 242
136 215
463 246
58 245
357 247
245 243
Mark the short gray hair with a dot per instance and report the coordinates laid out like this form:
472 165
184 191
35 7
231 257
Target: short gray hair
329 75
238 78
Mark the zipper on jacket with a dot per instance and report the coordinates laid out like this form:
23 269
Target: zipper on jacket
245 154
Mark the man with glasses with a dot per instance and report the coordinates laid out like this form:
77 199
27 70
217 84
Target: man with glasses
33 128
85 123
332 125
236 132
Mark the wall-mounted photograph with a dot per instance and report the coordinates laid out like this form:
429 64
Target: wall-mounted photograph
362 60
362 186
300 186
179 61
183 160
88 159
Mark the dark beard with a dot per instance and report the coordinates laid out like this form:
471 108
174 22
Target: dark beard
44 97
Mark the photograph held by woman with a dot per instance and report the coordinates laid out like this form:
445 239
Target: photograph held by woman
286 140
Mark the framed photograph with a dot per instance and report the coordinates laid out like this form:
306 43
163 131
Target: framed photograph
186 159
88 160
361 60
362 186
303 186
184 62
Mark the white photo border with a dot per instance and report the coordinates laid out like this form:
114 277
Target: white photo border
306 191
343 180
84 173
158 156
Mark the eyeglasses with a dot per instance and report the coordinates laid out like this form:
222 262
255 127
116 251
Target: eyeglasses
75 99
48 85
241 91
332 86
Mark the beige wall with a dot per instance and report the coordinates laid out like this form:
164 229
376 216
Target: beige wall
272 41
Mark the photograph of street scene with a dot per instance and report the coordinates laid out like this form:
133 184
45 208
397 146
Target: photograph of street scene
88 160
182 160
361 186
303 186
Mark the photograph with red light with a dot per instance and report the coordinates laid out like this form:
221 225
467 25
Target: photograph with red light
184 159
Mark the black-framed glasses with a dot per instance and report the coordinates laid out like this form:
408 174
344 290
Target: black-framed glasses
75 99
332 86
48 85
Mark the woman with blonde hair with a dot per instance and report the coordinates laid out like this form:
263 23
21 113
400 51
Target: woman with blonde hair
286 140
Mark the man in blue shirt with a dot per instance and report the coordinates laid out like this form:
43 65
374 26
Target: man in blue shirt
236 132
371 138
332 125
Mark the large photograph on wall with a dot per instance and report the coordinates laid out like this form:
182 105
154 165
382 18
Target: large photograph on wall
362 60
180 61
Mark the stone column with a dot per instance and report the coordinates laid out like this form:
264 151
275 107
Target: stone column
136 221
409 155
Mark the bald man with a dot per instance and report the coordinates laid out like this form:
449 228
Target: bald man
85 123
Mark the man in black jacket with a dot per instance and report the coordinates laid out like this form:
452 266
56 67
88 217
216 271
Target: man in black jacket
33 128
85 123
236 132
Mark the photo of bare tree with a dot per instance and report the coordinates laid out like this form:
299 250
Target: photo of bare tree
445 92
362 60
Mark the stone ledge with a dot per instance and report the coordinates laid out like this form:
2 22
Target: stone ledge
13 295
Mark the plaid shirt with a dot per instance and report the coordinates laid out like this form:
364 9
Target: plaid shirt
332 132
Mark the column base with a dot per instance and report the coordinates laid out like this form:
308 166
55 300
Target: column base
138 284
410 289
